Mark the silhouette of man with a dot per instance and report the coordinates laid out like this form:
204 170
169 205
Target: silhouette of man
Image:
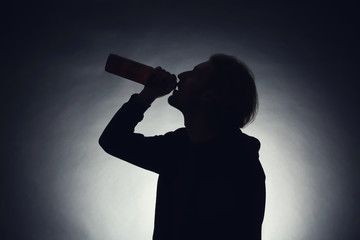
211 184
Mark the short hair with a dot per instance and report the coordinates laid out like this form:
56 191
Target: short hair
238 90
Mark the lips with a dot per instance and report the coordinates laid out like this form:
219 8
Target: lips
176 89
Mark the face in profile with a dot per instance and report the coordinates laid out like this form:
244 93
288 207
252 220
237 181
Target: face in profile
191 86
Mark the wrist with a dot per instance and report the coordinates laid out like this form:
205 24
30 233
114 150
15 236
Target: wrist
145 97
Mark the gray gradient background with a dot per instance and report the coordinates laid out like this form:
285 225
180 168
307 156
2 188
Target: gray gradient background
58 184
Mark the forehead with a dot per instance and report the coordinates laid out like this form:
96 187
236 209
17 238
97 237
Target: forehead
203 69
202 72
203 66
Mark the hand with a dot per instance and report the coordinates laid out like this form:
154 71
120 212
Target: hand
159 84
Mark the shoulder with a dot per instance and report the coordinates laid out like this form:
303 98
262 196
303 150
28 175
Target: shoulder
179 133
251 143
244 150
173 138
235 138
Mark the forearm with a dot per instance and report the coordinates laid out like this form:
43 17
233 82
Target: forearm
124 122
120 140
145 97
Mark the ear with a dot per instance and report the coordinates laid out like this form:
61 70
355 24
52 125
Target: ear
210 96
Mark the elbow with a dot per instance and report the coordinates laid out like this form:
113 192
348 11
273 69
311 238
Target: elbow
104 143
114 144
110 143
101 141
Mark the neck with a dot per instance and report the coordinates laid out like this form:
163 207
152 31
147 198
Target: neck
202 128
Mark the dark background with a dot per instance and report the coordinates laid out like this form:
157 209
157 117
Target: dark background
58 184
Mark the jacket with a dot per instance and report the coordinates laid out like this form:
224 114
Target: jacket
204 191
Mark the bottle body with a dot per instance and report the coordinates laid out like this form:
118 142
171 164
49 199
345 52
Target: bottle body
128 69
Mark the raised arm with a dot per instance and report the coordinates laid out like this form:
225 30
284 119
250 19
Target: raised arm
119 139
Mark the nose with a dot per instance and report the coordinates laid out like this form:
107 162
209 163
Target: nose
182 75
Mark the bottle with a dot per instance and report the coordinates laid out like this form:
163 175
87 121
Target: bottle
128 69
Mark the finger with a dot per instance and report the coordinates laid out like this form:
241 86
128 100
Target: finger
154 77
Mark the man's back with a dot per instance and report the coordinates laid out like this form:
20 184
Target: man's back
211 191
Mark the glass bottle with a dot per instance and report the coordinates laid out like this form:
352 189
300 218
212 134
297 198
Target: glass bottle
128 69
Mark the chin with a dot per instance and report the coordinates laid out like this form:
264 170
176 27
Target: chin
173 102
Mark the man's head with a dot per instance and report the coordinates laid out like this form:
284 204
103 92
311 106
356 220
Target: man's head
222 85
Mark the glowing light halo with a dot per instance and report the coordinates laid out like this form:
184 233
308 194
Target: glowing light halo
102 204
